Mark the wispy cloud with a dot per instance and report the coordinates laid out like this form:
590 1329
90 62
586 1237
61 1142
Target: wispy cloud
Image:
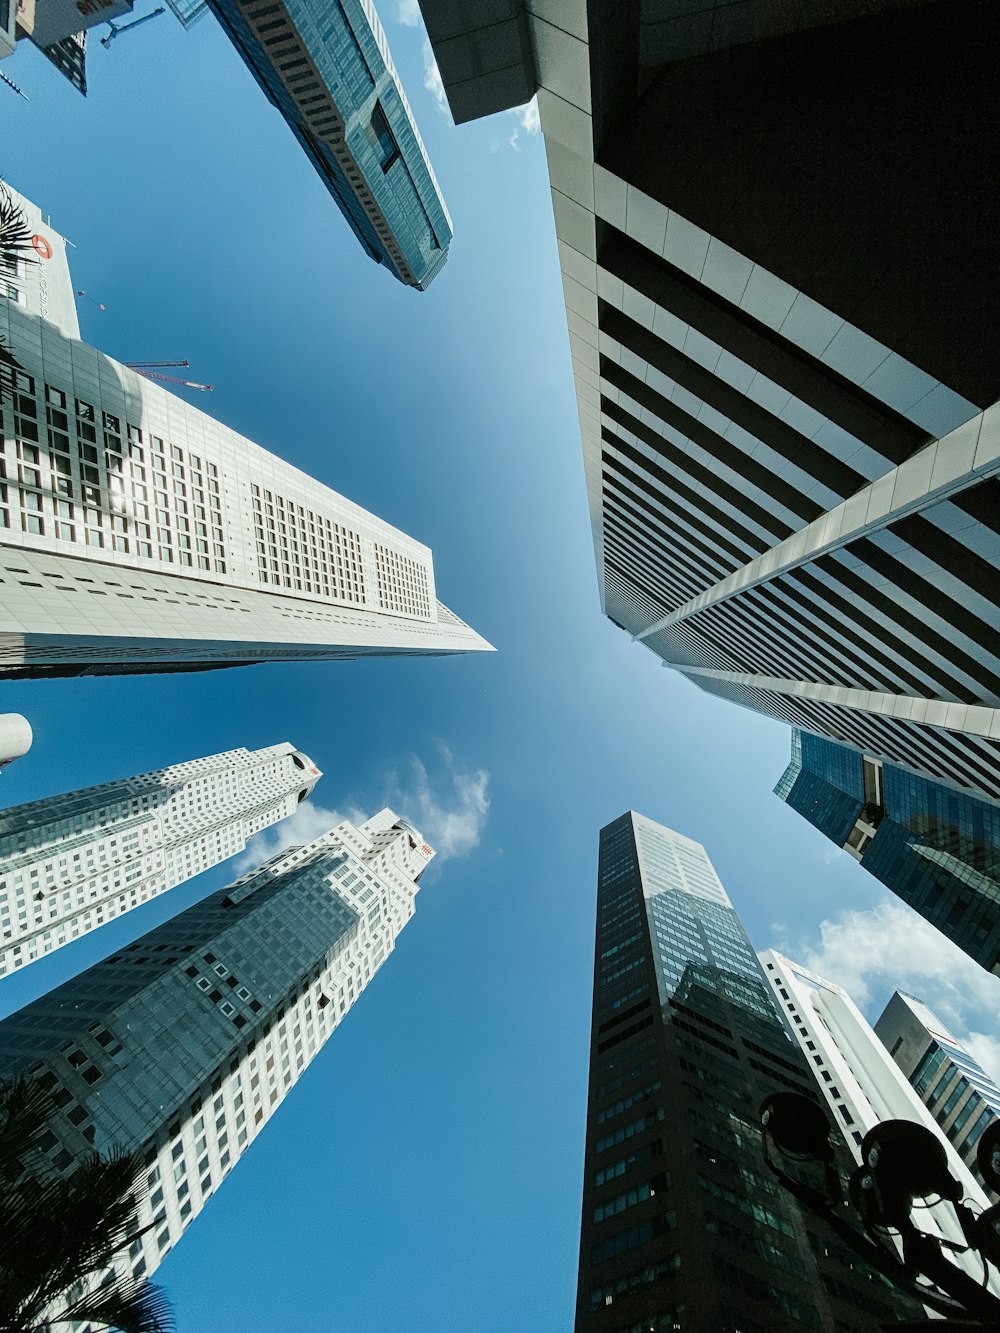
433 81
408 13
450 808
528 122
890 947
305 825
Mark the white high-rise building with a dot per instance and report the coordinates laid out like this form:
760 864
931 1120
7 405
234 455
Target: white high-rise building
182 1046
139 534
68 863
859 1080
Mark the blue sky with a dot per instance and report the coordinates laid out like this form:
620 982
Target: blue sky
426 1172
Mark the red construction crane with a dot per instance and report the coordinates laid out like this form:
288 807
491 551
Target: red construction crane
145 369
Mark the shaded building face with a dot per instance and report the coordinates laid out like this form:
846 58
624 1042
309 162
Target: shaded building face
936 848
773 273
683 1225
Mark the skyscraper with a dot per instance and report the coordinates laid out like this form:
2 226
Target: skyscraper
683 1226
954 1087
934 846
68 863
860 1082
182 1046
138 534
773 281
329 71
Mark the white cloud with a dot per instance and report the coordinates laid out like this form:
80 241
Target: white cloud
433 81
305 825
450 811
448 806
891 947
528 120
408 13
986 1050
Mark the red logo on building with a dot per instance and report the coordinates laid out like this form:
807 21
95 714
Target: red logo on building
42 246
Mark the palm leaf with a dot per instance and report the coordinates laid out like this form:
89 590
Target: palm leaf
15 234
126 1305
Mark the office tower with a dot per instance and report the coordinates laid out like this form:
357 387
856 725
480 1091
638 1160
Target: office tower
182 1046
954 1087
15 737
68 863
329 71
682 1222
784 366
860 1081
138 534
934 846
58 28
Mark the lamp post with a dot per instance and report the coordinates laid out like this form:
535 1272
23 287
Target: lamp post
903 1166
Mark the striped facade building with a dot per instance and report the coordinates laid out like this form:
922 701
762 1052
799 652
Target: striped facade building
783 361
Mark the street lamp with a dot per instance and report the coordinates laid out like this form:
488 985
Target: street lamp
903 1164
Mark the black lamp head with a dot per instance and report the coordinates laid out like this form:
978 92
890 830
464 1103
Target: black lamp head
988 1155
985 1234
798 1126
907 1159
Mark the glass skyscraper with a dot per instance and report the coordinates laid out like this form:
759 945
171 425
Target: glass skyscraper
935 847
181 1046
683 1225
329 71
70 862
953 1085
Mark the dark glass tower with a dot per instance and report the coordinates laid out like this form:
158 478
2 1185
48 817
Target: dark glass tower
936 848
683 1226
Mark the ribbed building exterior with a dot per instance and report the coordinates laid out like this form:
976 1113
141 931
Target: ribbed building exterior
139 534
182 1046
70 862
684 1227
935 846
963 1099
784 368
329 71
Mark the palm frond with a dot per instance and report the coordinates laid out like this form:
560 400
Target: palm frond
15 234
125 1305
25 1106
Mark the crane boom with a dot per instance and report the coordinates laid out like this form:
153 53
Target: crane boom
153 365
173 379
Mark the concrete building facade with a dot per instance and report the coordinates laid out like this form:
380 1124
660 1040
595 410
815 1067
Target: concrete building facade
139 534
70 862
